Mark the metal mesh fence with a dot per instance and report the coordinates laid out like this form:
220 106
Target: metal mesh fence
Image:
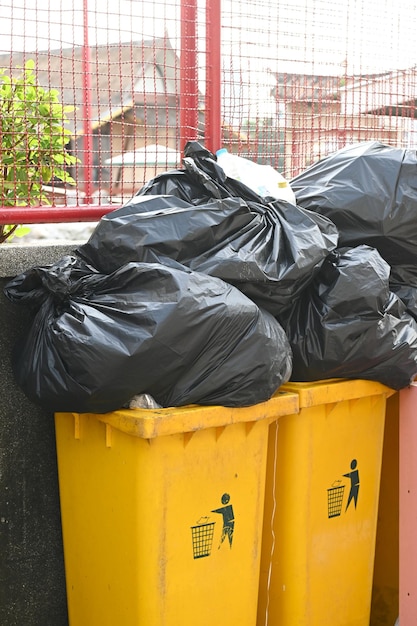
281 82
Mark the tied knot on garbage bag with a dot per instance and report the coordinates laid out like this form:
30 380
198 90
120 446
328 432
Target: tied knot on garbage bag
56 284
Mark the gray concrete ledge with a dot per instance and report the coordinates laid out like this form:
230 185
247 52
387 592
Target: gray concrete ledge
17 258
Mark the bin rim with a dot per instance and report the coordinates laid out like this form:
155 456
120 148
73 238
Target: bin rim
331 390
152 423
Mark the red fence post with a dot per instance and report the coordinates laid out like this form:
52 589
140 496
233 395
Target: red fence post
87 140
188 73
213 116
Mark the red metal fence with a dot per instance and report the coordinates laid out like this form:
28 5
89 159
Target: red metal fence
282 82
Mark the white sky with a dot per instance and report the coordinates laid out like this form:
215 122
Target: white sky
258 36
372 35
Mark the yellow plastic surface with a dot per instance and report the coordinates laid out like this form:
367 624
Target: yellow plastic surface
318 550
385 592
162 513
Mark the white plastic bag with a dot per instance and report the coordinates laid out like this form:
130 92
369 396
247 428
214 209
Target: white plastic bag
263 179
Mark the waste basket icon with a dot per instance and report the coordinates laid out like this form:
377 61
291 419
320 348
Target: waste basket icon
335 499
202 535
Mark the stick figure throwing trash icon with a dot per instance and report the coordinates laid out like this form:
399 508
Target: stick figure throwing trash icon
228 519
354 483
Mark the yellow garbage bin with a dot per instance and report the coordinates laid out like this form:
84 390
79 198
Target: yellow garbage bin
162 513
322 489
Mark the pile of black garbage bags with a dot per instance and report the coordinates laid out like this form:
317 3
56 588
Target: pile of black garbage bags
199 291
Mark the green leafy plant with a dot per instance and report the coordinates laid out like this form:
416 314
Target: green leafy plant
32 142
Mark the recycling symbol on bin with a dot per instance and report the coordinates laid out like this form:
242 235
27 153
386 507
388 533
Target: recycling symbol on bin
336 492
203 532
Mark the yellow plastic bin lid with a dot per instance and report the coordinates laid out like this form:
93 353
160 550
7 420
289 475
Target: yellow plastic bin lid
151 423
335 390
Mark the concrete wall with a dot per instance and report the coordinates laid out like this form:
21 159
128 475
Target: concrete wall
32 576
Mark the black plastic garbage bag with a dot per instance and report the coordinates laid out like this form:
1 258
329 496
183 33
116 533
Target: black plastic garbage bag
369 190
164 228
265 250
348 324
403 282
98 340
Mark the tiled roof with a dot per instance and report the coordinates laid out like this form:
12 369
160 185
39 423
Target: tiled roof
147 69
305 87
